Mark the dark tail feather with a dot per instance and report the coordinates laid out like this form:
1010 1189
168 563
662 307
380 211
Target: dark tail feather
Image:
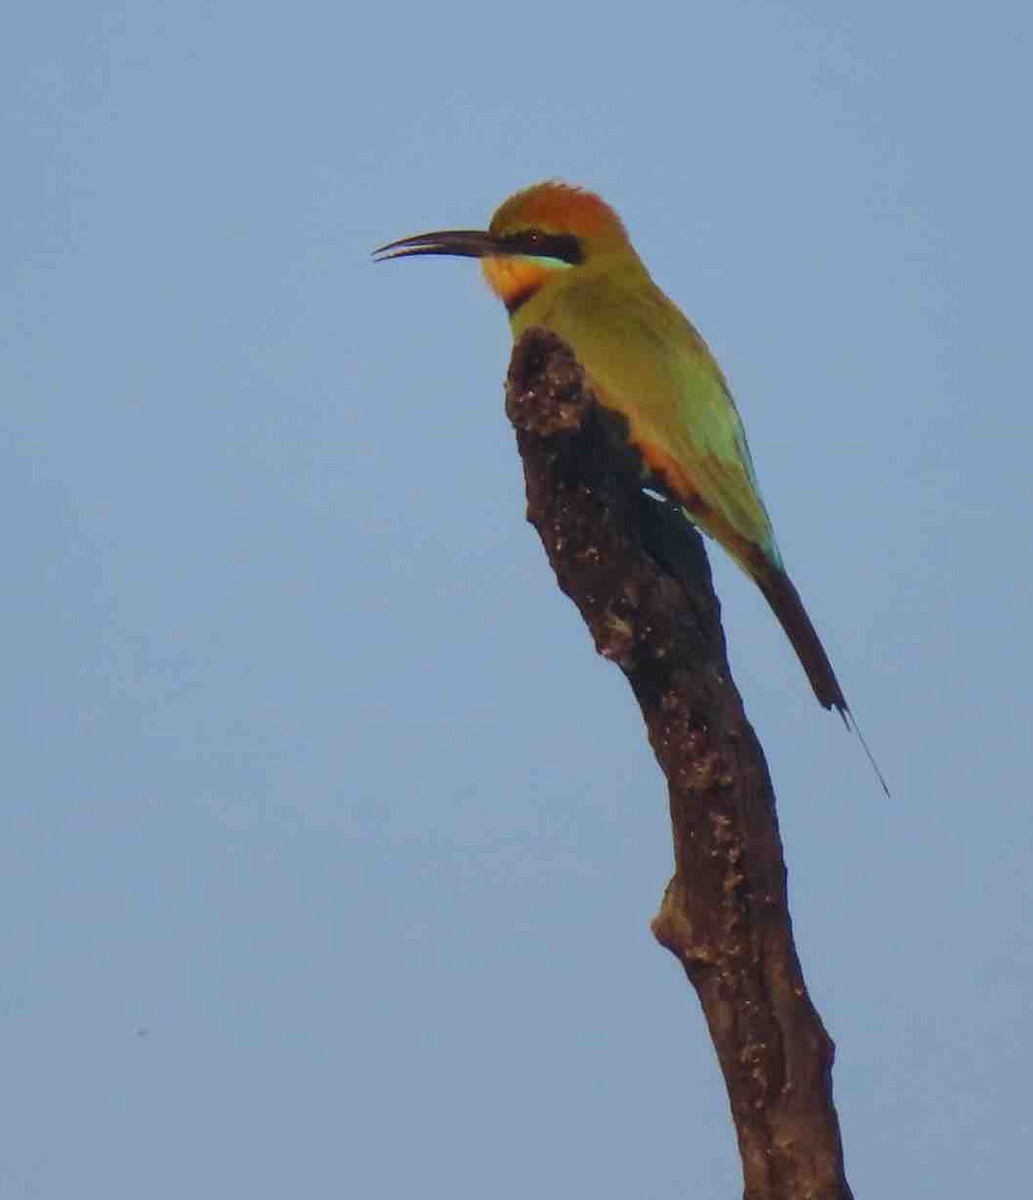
786 604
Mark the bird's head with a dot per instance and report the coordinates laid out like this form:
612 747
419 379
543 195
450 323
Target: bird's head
544 230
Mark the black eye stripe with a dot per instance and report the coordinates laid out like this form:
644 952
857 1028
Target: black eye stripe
563 246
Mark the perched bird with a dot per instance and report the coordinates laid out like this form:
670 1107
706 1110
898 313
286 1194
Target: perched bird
559 257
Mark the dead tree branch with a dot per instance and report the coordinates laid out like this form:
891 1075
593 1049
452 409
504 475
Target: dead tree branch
724 914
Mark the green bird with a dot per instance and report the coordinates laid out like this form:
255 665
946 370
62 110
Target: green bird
560 258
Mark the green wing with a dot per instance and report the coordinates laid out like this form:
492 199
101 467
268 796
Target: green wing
646 360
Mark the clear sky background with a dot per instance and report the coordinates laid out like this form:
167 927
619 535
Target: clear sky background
311 882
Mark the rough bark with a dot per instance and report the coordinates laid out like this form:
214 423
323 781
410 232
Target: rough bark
642 584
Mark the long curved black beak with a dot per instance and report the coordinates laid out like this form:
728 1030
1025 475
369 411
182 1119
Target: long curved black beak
463 243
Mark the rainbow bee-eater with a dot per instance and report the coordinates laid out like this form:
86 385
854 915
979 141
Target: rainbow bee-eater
558 257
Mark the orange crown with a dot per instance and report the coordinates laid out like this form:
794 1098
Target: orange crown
557 208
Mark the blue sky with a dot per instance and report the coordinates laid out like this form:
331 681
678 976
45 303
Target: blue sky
328 848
